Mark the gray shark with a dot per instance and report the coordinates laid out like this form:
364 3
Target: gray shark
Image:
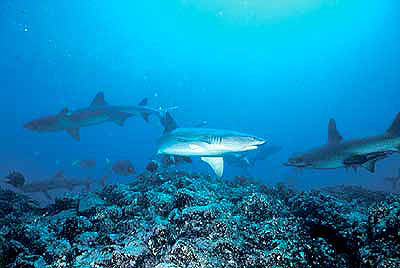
209 144
58 181
363 152
97 113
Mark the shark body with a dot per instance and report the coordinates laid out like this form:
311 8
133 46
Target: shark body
97 113
363 152
58 181
209 144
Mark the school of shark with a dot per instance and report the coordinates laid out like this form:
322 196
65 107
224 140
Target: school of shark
213 146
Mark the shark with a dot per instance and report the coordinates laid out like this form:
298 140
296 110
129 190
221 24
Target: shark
58 181
211 145
98 112
364 152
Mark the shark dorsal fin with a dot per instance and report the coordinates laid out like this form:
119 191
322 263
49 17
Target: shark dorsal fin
143 102
99 100
395 127
216 163
334 136
169 123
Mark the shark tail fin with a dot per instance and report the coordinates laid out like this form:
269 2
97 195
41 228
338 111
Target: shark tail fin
394 129
169 123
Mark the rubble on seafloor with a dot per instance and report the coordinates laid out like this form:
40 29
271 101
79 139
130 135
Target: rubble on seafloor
175 219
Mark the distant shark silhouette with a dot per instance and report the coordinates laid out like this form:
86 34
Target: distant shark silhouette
58 181
354 153
97 113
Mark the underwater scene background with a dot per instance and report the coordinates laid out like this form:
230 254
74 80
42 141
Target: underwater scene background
275 69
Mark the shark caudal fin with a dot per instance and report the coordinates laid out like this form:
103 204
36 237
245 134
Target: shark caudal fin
216 163
334 136
394 129
98 100
168 122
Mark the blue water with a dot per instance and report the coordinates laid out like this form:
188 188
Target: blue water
279 71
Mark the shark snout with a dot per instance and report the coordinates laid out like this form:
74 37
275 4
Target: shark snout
260 141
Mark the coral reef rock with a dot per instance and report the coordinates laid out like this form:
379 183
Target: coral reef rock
175 220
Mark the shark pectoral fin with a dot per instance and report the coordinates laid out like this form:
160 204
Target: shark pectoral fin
74 132
47 195
119 118
216 163
370 165
145 117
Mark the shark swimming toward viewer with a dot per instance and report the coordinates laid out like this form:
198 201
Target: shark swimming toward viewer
209 144
354 153
97 113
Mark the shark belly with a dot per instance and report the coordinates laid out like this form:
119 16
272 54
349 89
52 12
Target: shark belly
194 149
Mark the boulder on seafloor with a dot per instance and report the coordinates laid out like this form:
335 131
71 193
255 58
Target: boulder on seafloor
175 220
